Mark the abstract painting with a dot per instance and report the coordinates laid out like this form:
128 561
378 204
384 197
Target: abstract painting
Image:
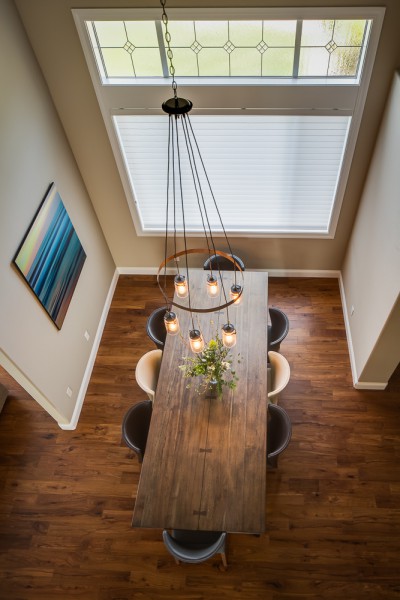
51 257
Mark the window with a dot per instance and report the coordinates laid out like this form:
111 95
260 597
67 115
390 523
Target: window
302 48
278 96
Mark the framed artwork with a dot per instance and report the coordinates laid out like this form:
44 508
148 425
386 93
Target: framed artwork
50 257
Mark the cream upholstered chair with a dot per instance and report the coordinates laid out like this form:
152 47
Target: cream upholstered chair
280 375
147 371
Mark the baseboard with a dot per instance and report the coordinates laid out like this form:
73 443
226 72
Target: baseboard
373 385
331 274
358 385
271 272
93 353
348 332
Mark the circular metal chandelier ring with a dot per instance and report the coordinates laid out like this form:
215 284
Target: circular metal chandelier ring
201 251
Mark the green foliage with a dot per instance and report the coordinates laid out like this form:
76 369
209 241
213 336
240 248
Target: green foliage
213 365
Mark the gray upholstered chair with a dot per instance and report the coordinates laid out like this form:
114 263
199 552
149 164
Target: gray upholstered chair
156 327
195 546
223 263
278 329
135 427
279 432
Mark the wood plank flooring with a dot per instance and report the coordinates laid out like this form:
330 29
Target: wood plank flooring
333 505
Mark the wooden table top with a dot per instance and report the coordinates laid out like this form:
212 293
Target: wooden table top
205 461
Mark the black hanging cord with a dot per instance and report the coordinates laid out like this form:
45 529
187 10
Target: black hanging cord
164 291
183 216
196 180
212 194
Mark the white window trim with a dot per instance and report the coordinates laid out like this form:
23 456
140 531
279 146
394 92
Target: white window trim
346 96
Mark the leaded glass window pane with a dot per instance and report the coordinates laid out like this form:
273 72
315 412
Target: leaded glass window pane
278 62
279 33
185 62
245 33
246 61
212 33
182 33
344 61
213 62
331 48
118 63
146 62
313 62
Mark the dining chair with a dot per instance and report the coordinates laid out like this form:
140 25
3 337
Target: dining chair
195 546
279 432
278 329
135 427
217 261
280 375
147 371
155 327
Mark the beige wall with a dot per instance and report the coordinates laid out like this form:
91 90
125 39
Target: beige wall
371 270
33 153
53 35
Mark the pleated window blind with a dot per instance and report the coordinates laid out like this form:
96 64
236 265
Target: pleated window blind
269 174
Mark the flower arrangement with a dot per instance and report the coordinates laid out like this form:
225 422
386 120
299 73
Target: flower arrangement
214 364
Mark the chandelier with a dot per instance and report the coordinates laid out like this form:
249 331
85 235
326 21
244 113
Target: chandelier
181 139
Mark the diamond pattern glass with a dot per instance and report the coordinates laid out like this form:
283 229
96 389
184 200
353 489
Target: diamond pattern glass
327 48
331 48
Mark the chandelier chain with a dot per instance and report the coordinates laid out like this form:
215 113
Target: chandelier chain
170 54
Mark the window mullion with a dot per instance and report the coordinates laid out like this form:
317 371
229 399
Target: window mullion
161 45
297 44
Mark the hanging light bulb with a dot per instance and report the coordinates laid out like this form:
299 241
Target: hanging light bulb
236 293
229 335
181 286
212 286
196 341
171 322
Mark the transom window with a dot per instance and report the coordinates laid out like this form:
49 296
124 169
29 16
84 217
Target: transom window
278 48
278 96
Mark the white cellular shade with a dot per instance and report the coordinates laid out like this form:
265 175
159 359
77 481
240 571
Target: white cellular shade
269 174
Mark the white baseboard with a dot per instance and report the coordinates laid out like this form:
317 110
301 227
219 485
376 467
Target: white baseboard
301 273
372 385
93 353
358 385
348 332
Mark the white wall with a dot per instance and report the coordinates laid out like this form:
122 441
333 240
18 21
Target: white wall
33 153
371 270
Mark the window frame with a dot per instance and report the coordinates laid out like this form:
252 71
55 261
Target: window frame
303 96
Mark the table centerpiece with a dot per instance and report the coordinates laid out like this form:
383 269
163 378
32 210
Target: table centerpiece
214 366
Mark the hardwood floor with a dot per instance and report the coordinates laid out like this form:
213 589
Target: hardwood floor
333 505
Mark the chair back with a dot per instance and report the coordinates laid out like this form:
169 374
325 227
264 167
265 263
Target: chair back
279 432
278 329
155 327
216 261
147 371
195 546
280 372
135 427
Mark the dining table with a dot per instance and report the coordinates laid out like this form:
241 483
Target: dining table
204 466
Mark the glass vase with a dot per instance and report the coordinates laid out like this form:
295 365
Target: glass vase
212 389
